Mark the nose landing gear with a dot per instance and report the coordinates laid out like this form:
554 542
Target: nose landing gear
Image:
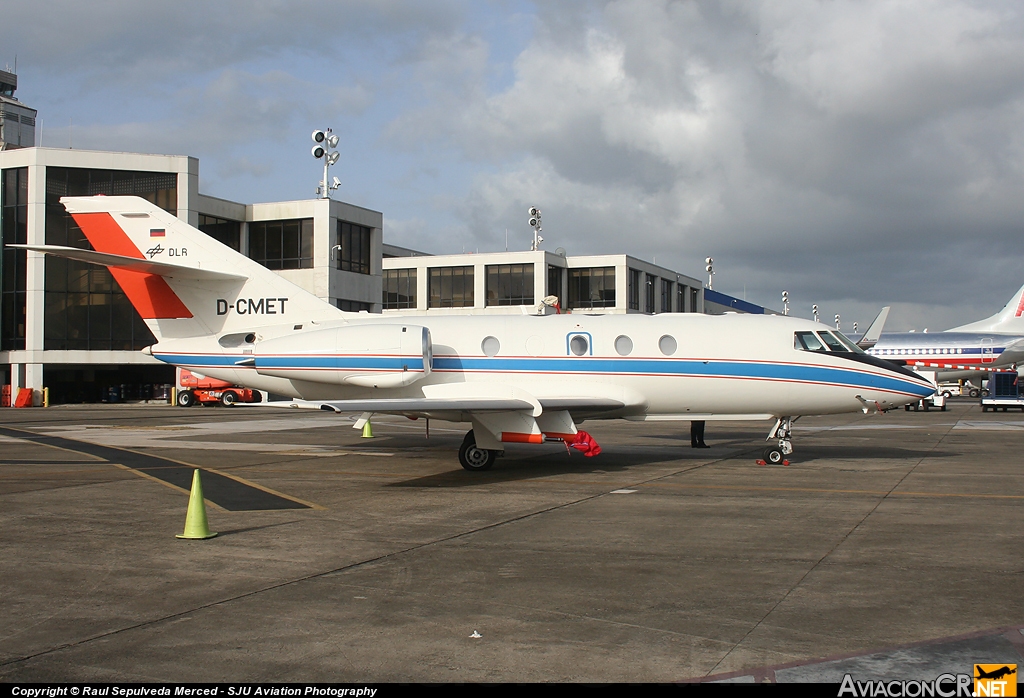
783 429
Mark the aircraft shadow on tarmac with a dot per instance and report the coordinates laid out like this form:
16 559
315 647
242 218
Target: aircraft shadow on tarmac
817 452
517 465
520 465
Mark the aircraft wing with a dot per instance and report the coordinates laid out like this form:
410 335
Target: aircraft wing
874 330
465 404
425 404
142 265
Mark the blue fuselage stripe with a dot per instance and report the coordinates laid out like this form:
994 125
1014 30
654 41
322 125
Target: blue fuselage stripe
759 370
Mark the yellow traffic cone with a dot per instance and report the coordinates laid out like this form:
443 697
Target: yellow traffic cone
196 527
367 430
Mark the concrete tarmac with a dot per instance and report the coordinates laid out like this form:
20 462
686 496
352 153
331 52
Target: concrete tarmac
890 547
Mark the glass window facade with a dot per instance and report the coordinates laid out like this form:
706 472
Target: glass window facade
450 287
649 293
353 306
84 308
13 263
633 290
555 276
666 296
509 284
224 231
284 244
355 247
592 287
399 289
681 294
693 300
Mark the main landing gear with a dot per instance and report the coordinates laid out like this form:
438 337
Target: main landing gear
783 429
474 458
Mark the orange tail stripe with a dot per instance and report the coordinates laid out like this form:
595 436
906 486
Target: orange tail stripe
514 437
149 293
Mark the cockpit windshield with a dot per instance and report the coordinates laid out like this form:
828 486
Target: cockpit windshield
850 344
824 341
832 343
807 341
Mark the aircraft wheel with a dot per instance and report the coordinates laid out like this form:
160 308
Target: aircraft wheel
772 455
473 458
186 398
228 399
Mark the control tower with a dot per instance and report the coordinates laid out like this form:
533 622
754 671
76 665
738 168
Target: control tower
17 122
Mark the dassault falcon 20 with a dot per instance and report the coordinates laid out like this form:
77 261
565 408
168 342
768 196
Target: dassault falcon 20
524 379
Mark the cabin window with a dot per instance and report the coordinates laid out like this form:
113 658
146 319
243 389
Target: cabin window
578 345
623 345
490 346
667 344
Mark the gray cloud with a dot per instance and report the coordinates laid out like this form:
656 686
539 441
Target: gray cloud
853 153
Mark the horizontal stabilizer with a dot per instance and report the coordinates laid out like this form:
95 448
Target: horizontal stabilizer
143 266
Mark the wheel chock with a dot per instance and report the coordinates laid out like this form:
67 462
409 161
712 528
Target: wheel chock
367 430
196 527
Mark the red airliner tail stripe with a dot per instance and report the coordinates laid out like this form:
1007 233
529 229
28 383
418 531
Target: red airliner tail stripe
149 293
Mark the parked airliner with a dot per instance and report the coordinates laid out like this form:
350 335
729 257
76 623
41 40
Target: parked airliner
515 379
962 352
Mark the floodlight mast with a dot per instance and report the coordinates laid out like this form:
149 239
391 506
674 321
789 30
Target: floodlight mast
535 224
324 150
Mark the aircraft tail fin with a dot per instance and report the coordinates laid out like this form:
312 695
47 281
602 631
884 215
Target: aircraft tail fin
181 281
874 330
1008 320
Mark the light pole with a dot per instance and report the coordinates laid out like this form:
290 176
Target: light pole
710 268
324 150
535 224
837 321
785 302
814 309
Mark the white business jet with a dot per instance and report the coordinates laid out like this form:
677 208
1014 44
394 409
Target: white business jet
518 379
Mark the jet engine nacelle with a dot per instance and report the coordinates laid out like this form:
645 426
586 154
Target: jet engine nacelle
371 356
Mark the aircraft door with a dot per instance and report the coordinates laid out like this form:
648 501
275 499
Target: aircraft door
987 351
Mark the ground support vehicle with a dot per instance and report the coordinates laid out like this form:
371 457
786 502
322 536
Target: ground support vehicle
195 388
1004 393
937 400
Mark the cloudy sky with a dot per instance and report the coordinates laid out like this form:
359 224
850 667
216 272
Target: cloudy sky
856 154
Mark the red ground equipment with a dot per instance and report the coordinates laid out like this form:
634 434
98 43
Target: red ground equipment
197 388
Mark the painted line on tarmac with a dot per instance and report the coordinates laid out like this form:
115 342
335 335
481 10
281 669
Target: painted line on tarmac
227 492
817 490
